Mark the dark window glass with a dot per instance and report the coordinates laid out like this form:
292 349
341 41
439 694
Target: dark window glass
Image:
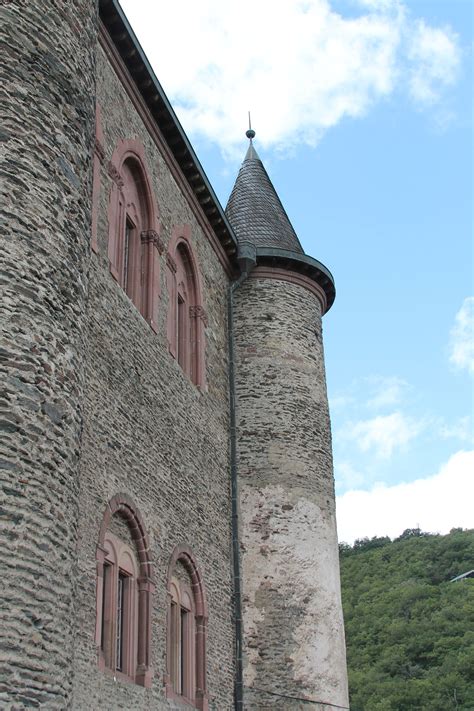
181 332
105 588
119 621
182 650
127 277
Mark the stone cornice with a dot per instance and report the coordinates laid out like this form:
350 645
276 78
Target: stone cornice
296 268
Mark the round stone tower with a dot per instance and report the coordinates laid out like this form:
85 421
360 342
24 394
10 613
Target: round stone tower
47 135
293 635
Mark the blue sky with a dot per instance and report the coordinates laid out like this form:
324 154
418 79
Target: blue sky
363 115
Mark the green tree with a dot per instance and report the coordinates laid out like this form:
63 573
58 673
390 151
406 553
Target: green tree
409 630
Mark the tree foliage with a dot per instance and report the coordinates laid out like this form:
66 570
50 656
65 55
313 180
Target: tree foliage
409 630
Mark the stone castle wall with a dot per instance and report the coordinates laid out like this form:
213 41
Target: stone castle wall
97 406
151 433
293 628
48 87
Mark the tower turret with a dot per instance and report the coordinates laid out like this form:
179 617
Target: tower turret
255 210
293 639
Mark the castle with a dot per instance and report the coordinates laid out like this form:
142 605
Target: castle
169 536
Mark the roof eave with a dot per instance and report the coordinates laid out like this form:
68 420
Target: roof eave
302 264
137 64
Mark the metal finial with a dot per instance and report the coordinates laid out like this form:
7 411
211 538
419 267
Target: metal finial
250 133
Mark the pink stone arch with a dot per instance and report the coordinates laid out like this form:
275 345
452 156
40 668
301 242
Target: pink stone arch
133 148
122 505
181 252
184 555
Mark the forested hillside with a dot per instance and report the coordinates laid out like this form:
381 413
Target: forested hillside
409 630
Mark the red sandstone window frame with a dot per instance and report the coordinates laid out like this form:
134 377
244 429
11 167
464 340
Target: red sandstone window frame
186 634
187 319
182 641
116 557
119 625
134 256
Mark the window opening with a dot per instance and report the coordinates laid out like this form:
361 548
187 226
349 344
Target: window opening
143 268
121 587
182 644
181 328
187 623
174 647
127 276
186 316
133 231
105 588
124 590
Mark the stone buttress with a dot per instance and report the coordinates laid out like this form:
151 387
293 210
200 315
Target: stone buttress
47 139
293 639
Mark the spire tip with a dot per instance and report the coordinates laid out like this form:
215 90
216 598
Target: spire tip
250 133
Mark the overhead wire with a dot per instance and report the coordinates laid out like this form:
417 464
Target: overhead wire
296 698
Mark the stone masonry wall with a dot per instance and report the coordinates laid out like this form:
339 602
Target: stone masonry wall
47 90
151 433
293 627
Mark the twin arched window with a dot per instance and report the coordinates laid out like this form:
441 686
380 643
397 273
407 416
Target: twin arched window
186 634
186 316
124 592
118 634
124 606
134 241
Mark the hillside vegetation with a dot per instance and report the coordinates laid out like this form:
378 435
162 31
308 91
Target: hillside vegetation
409 631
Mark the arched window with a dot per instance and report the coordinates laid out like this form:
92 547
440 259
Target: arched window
187 627
187 319
134 241
124 590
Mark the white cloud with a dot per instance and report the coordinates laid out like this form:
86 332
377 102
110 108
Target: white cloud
462 337
298 65
383 434
435 58
435 504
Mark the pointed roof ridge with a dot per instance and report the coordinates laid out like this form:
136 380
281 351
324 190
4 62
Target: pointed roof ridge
254 209
251 153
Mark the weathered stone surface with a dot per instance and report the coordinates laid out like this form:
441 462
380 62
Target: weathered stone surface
47 104
293 628
151 433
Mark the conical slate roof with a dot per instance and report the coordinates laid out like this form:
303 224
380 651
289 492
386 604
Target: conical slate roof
254 209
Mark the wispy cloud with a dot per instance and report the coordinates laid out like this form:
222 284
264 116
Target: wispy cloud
341 402
434 58
435 504
347 476
462 337
387 391
299 65
369 393
384 434
461 429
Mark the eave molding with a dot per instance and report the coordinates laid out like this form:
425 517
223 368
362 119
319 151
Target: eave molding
149 122
291 277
